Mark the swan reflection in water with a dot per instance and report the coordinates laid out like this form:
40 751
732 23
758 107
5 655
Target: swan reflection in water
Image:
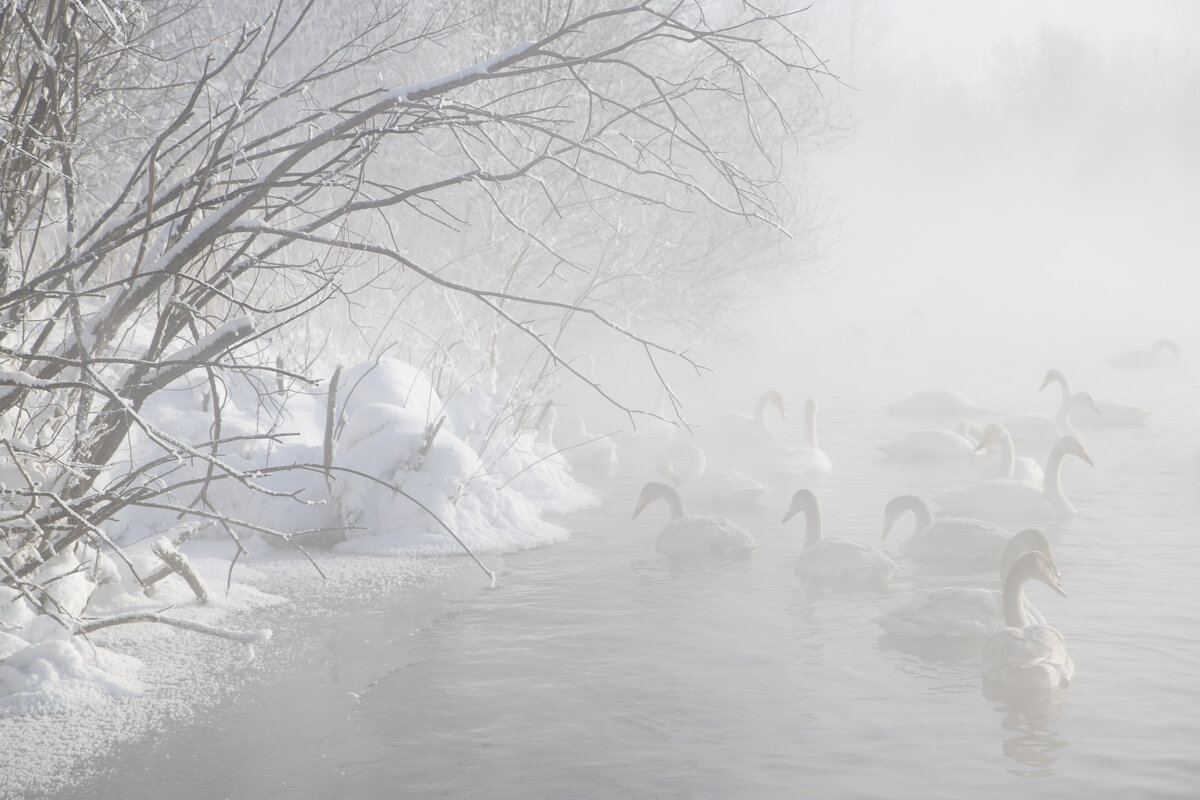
1029 736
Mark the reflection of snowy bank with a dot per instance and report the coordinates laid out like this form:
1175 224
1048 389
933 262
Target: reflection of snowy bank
406 469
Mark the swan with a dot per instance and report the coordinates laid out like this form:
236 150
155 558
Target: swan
835 559
1041 429
583 449
1112 415
934 444
740 426
809 459
684 465
958 541
1007 464
1024 655
693 534
939 403
1009 499
1163 354
961 611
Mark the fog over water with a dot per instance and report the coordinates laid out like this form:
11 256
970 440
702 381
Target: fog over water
1018 189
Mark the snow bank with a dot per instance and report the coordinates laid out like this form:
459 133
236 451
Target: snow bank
408 468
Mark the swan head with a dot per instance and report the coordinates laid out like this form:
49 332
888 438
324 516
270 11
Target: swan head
991 435
897 507
1030 540
810 408
657 491
1053 376
1071 446
969 431
1037 566
1086 400
773 397
803 500
1167 346
682 462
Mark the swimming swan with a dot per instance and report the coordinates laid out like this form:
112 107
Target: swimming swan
1041 429
1009 499
934 444
949 541
1112 415
962 611
740 426
846 560
583 449
1024 655
809 459
693 534
939 403
1163 354
1006 464
685 465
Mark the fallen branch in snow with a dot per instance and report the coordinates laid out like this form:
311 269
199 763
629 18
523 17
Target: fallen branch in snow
180 565
245 637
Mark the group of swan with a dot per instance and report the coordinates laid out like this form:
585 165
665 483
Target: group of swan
1108 414
1006 499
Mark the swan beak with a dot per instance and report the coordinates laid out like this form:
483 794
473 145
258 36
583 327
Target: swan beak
791 512
983 443
1083 454
638 510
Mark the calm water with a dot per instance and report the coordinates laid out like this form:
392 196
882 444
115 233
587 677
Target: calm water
598 669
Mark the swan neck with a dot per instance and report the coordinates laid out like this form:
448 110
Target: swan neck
810 428
1052 483
1014 601
812 524
674 501
1007 455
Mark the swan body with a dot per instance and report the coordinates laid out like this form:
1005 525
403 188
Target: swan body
1110 414
583 449
1025 654
1007 465
809 459
962 612
685 465
949 541
1010 499
844 560
1163 354
693 534
933 444
938 403
1040 429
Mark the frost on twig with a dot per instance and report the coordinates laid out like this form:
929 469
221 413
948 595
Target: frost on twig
245 637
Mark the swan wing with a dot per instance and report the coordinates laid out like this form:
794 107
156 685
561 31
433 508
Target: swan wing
953 612
703 534
846 559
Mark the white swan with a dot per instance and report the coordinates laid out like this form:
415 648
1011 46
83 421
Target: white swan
949 541
1112 415
1006 464
1041 429
1024 655
741 427
934 444
693 534
685 466
809 459
1009 499
847 560
1163 354
583 449
965 611
939 403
